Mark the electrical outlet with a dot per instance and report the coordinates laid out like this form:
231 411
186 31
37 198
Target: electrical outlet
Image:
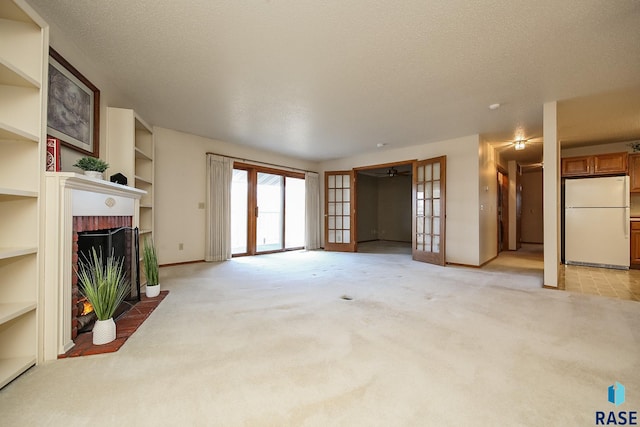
180 246
201 205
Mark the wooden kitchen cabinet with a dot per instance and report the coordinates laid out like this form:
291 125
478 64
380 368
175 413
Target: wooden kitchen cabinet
577 166
635 244
601 164
634 173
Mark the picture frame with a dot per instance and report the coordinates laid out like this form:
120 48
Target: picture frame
73 109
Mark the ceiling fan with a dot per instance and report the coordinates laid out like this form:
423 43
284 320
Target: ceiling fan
391 172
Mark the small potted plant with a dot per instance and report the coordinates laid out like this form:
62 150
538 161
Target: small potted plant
105 287
92 167
151 268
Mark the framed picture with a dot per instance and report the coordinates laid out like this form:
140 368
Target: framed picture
73 111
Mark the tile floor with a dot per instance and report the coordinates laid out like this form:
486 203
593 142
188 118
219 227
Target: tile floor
621 284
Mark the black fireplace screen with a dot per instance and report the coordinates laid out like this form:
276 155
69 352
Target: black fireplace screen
122 243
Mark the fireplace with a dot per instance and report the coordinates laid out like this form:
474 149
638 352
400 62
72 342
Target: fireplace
122 243
78 206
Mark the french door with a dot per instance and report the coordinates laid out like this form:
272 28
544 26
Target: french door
339 208
428 229
268 210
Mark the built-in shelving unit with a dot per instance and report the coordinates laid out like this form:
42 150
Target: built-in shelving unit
23 61
130 152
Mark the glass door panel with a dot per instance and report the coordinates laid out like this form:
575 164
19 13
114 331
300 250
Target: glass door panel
338 212
429 210
270 212
239 211
294 218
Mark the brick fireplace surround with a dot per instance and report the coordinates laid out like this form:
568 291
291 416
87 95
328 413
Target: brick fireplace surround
74 203
88 223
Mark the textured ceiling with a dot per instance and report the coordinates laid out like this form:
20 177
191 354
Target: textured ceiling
327 79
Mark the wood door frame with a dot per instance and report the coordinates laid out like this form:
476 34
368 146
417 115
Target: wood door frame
252 195
503 194
438 258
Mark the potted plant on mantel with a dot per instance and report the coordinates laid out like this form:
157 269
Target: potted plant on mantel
105 287
92 167
151 268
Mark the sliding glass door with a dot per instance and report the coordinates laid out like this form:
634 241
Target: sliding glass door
268 210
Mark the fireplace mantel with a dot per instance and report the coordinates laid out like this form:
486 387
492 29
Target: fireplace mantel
68 195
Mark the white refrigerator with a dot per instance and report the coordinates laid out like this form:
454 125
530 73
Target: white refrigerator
596 222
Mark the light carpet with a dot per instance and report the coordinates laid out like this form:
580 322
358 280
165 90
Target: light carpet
270 341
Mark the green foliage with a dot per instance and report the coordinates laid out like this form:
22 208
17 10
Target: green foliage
150 262
104 286
91 164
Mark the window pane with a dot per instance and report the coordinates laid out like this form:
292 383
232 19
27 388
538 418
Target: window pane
436 244
346 195
346 236
346 222
436 225
346 208
436 207
436 171
239 206
346 179
332 209
331 181
332 223
420 173
427 173
331 195
436 189
332 236
294 212
338 181
420 191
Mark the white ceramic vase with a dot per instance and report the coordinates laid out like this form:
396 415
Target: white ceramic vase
94 174
152 291
104 331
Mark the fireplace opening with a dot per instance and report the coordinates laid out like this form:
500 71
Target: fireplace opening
123 244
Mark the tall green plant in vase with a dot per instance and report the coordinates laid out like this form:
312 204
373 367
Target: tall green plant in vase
151 268
105 287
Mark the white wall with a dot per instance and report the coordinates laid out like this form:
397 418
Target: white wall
180 189
615 147
462 226
488 195
394 208
367 208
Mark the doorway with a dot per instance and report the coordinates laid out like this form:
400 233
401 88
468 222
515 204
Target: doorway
352 208
503 210
383 214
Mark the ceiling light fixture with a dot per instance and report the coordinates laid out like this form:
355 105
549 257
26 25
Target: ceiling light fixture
380 144
519 144
494 106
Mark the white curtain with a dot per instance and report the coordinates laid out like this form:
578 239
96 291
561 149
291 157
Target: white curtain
312 211
218 227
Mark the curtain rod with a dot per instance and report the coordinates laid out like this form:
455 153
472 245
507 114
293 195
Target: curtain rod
262 163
